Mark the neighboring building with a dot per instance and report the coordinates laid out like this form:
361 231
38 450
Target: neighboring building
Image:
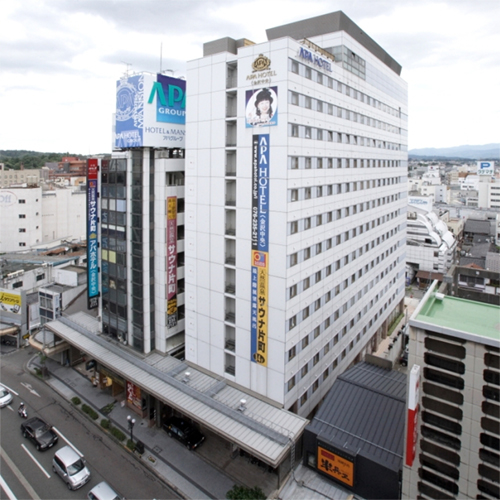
296 180
63 215
22 228
357 436
18 178
452 438
430 246
142 240
38 217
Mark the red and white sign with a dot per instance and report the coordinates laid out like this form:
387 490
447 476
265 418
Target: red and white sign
413 407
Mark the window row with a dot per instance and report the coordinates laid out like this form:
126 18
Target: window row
319 356
308 102
338 214
313 192
320 134
318 248
340 287
327 81
308 162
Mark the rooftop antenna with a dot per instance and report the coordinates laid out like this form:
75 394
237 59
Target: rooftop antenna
128 67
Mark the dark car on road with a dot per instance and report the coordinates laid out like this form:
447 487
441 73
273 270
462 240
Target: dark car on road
40 433
184 432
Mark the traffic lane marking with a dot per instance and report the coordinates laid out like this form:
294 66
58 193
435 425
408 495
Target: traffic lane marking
59 433
8 491
36 461
30 388
19 475
9 389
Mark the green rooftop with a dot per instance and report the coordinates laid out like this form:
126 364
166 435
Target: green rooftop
461 315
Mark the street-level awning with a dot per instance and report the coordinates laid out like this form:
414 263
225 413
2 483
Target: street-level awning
257 427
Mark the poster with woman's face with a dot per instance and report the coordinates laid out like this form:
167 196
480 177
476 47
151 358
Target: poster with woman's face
261 107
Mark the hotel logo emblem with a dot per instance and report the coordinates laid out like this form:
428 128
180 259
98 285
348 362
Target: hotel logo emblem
261 63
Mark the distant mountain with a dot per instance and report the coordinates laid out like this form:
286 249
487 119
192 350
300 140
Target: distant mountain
485 152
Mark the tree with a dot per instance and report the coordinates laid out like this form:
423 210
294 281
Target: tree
245 493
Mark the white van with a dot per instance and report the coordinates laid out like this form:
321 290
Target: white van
70 466
103 491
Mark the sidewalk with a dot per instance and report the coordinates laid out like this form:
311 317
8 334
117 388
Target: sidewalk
184 471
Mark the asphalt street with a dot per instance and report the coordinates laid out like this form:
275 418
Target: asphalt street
27 473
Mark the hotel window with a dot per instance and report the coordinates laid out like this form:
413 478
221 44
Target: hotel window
294 227
308 73
317 331
315 385
319 106
306 283
295 98
295 67
307 253
293 259
307 223
316 359
303 399
308 132
307 193
305 343
319 248
294 194
294 163
308 102
305 313
308 162
319 163
291 353
326 349
291 383
293 291
304 371
317 305
295 130
292 322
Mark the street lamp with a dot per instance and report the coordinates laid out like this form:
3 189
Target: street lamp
131 423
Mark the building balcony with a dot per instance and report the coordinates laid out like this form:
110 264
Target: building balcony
230 317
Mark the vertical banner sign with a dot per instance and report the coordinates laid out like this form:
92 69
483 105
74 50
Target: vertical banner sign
134 395
260 248
92 243
171 261
412 427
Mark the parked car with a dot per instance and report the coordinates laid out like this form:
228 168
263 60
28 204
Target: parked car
40 433
70 467
5 396
103 491
184 432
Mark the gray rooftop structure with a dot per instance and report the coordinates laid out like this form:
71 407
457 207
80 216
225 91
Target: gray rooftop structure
371 417
315 26
363 420
261 429
330 23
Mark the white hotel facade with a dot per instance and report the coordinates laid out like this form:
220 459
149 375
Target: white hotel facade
295 222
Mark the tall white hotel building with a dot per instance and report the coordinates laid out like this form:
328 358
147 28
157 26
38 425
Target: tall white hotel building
295 217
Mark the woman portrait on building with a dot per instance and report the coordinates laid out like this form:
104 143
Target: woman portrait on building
260 110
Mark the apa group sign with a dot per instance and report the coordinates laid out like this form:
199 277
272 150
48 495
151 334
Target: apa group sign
150 112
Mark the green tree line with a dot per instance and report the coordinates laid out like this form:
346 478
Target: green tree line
30 159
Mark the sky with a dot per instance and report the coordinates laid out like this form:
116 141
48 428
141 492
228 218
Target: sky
60 60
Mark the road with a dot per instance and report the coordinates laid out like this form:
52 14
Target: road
27 473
